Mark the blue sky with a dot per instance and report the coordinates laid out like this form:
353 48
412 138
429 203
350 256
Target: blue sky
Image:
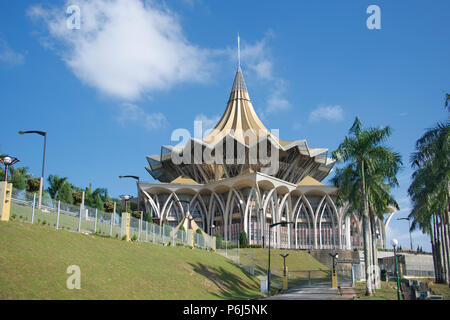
113 91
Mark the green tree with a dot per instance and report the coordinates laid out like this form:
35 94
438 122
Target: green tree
243 240
218 240
55 185
366 162
430 193
33 185
17 176
65 193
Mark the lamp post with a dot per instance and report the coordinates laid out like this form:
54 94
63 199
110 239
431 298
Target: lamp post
8 161
335 256
409 225
283 223
41 185
263 227
126 198
137 178
394 244
284 255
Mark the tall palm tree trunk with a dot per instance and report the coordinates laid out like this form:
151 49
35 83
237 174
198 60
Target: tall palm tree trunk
444 249
433 250
445 232
438 250
376 278
446 242
366 236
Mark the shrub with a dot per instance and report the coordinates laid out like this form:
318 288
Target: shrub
13 216
256 246
169 243
134 238
20 217
124 237
117 235
243 240
199 231
44 223
218 240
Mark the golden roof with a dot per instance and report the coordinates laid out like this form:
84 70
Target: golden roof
309 181
183 180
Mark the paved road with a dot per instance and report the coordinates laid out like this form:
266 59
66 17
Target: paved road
317 291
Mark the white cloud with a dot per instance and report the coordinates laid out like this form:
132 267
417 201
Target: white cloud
131 114
330 113
125 48
276 100
9 56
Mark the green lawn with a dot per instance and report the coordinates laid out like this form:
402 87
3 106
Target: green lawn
34 260
388 291
441 289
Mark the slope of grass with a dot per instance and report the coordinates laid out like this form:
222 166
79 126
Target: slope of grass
34 260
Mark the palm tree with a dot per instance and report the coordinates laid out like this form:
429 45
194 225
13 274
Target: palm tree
55 185
365 158
430 193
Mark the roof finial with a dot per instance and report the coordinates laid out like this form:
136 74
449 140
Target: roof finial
239 54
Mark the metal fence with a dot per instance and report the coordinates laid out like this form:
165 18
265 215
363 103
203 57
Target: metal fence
255 262
85 219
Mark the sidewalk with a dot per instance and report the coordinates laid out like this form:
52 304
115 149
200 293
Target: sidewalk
346 293
319 291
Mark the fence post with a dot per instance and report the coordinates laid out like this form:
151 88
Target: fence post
140 227
113 217
95 222
32 210
309 277
153 232
79 220
57 214
146 231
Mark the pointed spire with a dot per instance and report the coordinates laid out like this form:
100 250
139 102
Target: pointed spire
239 54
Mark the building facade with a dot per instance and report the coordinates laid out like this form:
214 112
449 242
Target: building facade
242 177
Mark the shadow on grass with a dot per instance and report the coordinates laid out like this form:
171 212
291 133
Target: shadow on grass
230 285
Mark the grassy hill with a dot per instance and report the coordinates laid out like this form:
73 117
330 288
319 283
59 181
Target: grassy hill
34 260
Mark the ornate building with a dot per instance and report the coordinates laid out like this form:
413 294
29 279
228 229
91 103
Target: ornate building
244 192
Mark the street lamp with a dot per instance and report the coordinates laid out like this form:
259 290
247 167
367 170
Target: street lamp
8 161
137 178
283 223
41 185
284 255
126 198
335 256
409 225
394 243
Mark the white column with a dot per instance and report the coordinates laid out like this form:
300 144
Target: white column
32 208
57 214
348 242
95 222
